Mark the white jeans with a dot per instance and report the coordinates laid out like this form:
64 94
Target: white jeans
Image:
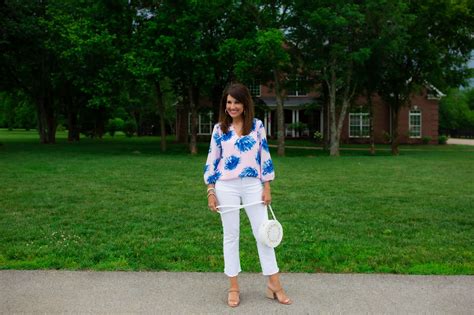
233 192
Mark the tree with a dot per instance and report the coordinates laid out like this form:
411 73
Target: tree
66 56
329 36
456 116
434 46
27 62
264 54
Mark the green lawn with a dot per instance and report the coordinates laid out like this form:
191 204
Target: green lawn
121 204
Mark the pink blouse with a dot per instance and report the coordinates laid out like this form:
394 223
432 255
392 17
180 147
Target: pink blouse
231 156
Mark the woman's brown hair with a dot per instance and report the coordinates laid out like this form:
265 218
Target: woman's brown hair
241 93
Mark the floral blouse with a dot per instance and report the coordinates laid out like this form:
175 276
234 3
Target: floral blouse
231 156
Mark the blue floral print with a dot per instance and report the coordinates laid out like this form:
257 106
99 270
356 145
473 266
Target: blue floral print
245 144
216 163
265 145
226 136
267 167
213 178
231 162
217 139
249 172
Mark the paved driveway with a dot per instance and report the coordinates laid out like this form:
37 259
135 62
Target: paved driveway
82 292
461 141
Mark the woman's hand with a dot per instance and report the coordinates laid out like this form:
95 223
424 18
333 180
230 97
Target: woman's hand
211 198
212 203
266 195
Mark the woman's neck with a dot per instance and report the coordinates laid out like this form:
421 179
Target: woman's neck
237 121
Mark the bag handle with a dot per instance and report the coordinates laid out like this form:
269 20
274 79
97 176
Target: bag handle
271 210
238 207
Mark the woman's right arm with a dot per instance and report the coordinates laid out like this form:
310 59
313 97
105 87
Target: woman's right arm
211 173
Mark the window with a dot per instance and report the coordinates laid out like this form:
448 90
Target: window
205 123
415 124
359 125
254 88
297 86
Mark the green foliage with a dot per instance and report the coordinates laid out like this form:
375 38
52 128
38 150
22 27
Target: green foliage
455 114
16 111
318 137
426 139
95 57
130 127
115 124
60 128
442 139
298 126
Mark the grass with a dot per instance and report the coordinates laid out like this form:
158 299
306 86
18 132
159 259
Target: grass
121 204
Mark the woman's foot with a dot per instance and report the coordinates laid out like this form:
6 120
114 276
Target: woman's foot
233 299
278 294
275 290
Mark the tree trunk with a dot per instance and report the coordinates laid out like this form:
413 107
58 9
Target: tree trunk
346 100
73 130
41 120
46 120
182 124
333 140
372 119
72 108
161 112
279 92
193 97
395 141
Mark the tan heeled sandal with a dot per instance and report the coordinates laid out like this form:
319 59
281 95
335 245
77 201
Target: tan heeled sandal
233 303
272 295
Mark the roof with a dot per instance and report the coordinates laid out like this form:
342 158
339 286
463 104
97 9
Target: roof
297 101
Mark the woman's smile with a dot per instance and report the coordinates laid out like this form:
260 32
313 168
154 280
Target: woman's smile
234 107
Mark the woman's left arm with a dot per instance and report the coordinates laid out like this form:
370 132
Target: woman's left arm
267 194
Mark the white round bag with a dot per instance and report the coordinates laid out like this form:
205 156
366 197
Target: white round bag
270 232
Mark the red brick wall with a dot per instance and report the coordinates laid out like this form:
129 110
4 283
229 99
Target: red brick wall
429 121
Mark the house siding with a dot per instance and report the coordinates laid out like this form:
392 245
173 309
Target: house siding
429 122
428 108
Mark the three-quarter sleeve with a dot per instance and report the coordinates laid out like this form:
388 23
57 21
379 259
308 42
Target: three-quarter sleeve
211 172
265 160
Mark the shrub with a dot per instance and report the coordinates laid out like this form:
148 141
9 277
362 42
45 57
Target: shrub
387 138
115 124
61 128
426 140
130 127
298 126
318 137
443 139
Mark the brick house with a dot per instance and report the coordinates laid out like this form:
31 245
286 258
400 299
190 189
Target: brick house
305 114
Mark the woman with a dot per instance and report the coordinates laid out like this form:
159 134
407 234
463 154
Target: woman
239 169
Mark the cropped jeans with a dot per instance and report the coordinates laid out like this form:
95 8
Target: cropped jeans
235 192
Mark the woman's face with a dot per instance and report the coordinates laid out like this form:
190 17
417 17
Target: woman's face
234 107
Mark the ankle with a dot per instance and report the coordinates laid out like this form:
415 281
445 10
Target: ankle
274 284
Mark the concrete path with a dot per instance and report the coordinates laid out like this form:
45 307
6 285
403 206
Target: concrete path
461 141
54 292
